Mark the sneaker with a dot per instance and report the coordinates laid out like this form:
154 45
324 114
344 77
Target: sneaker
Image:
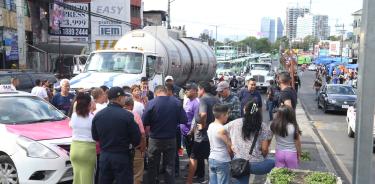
199 180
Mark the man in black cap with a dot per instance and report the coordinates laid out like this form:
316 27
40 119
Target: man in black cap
116 130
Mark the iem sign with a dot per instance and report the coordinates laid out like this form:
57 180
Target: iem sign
110 30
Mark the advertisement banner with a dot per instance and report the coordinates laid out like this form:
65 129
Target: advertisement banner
10 44
334 48
103 29
69 25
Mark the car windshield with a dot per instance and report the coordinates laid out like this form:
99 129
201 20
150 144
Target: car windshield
341 90
125 62
260 67
27 110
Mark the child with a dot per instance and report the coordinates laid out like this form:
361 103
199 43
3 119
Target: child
220 147
288 142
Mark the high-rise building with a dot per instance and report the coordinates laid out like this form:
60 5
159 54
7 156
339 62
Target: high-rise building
305 26
321 27
314 25
280 28
292 14
268 28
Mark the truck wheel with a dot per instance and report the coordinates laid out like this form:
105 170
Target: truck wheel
8 172
350 131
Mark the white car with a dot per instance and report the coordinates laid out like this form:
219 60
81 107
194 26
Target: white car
312 67
350 119
35 140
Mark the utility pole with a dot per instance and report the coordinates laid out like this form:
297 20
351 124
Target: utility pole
362 171
20 7
89 38
342 31
169 13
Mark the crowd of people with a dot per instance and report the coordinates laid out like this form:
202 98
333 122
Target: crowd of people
338 75
130 134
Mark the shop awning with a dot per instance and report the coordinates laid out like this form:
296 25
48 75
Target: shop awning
54 48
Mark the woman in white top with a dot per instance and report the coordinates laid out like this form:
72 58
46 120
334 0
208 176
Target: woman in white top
139 100
83 149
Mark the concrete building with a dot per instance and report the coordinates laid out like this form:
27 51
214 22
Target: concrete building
321 27
9 52
356 34
305 26
279 28
268 29
154 18
136 14
292 14
314 25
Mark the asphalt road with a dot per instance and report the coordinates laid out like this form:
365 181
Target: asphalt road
332 128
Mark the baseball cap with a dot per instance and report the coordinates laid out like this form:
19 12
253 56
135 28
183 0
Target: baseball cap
115 92
222 85
168 78
191 86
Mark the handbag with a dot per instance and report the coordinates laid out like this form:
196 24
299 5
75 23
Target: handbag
240 167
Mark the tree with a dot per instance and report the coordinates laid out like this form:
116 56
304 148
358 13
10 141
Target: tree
249 42
207 38
263 45
308 42
282 42
334 38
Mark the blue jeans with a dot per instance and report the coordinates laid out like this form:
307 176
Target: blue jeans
219 172
270 107
257 168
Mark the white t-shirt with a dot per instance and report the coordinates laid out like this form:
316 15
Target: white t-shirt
218 149
81 127
99 107
138 108
40 92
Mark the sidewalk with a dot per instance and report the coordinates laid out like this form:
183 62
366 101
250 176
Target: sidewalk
310 143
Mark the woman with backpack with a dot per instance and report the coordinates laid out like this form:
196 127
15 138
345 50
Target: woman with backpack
250 141
288 138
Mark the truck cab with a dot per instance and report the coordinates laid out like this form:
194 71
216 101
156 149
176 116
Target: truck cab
262 73
119 68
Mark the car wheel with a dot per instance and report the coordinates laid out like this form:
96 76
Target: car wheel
8 172
350 131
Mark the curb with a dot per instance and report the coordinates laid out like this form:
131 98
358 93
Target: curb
328 148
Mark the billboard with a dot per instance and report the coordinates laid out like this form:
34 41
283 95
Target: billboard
10 44
334 48
105 30
69 25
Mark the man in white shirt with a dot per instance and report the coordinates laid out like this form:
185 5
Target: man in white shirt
39 91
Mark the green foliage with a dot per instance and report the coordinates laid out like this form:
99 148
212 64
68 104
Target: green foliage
281 176
320 178
305 156
334 38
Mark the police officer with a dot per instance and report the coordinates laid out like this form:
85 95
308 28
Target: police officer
115 129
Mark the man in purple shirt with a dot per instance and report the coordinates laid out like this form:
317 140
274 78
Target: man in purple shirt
191 107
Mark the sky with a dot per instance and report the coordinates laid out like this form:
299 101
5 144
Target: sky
237 19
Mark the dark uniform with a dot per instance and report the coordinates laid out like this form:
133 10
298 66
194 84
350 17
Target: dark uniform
116 130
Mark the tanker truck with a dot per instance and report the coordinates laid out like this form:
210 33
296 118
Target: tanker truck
150 52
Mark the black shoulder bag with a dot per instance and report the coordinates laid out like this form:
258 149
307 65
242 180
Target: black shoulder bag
240 167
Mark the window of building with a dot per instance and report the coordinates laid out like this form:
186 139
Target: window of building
135 11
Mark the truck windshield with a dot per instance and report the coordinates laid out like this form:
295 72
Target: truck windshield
260 67
125 62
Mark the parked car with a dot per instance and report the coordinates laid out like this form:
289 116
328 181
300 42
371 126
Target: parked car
35 140
312 67
351 121
27 78
336 97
